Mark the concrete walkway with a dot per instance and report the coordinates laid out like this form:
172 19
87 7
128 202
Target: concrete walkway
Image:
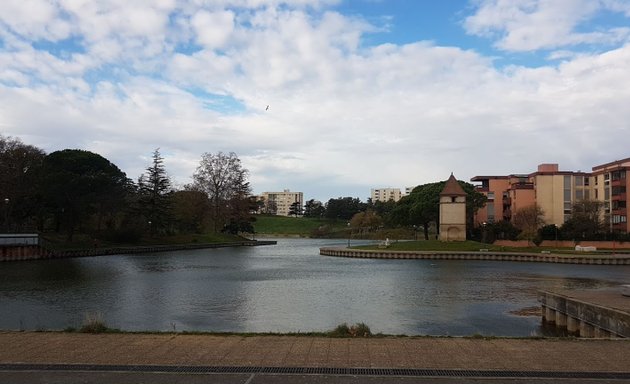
578 355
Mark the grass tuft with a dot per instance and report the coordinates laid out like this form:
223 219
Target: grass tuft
93 323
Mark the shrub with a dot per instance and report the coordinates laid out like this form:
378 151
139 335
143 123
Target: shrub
93 323
357 330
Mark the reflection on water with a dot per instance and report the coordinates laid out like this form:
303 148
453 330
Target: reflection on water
287 288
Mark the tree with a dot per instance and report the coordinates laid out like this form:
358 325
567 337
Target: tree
529 219
222 177
78 184
365 221
585 221
190 210
422 206
343 208
382 208
314 208
155 195
20 167
295 209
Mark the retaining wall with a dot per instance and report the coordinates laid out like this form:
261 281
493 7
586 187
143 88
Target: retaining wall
584 319
495 256
17 253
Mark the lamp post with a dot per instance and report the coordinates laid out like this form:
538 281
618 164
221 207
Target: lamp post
349 234
6 213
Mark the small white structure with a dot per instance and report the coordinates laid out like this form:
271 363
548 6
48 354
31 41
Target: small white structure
579 248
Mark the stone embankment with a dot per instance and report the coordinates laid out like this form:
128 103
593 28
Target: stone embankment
608 259
18 253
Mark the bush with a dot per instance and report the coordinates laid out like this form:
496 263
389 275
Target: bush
357 330
93 323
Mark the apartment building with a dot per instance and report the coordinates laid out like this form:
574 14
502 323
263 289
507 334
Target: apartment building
556 191
385 194
610 185
279 203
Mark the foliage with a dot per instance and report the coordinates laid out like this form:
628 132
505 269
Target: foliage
222 177
343 208
585 221
191 209
295 209
357 330
365 221
500 230
20 170
303 226
155 196
383 209
314 208
422 206
529 219
78 184
93 323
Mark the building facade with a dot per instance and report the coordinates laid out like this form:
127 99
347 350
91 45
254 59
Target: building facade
279 203
385 194
610 184
556 191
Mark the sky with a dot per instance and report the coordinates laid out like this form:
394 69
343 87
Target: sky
327 97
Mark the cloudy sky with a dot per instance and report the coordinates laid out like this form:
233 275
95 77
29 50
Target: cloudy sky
361 93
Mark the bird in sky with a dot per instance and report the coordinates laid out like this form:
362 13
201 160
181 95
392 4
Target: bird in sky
266 109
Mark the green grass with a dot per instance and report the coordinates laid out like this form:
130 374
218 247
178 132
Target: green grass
299 226
459 246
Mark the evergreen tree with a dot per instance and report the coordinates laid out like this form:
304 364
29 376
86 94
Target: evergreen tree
155 195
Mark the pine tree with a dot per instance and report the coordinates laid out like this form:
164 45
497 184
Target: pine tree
155 191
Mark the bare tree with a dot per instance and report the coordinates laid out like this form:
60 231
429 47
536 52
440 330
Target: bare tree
529 219
222 177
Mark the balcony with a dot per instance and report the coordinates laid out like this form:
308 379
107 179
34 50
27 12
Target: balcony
522 186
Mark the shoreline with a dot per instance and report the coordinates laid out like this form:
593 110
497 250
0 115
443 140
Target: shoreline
615 259
23 253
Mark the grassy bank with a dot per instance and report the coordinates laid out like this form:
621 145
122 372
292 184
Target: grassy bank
460 246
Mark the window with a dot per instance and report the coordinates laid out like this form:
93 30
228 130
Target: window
579 194
490 210
586 181
579 181
490 195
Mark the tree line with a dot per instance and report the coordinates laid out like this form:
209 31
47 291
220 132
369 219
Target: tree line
74 190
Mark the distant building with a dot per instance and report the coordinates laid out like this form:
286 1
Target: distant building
279 203
385 194
555 192
452 211
610 184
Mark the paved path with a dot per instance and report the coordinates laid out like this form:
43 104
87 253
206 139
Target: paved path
287 351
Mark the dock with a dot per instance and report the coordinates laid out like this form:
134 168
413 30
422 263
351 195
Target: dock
599 313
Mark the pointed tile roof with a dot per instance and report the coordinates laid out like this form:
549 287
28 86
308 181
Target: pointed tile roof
452 188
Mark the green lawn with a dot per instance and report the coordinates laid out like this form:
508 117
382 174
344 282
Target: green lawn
461 246
302 226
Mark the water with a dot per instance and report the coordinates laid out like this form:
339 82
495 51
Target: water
286 288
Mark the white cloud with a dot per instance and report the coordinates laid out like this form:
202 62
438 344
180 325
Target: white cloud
343 117
525 25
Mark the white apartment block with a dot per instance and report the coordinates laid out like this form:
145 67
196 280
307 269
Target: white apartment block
279 203
385 194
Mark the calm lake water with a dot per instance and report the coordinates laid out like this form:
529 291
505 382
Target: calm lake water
288 287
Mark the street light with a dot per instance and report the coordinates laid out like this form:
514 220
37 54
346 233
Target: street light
6 213
349 234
